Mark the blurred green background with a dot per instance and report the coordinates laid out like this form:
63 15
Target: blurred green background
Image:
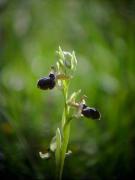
102 33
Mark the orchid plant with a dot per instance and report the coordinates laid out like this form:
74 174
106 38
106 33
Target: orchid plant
60 76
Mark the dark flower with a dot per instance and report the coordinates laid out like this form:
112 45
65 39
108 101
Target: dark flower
47 82
90 112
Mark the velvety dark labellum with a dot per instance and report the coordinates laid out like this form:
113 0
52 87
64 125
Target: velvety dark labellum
47 82
90 112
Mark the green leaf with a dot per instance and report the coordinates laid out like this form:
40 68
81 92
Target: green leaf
58 146
63 118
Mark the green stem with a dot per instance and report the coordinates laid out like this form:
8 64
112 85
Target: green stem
65 132
58 152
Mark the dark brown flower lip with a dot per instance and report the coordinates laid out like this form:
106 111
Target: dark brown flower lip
90 112
46 83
